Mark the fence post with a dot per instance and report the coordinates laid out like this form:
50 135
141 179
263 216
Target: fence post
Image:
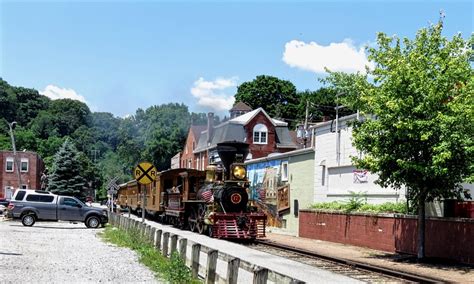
183 243
158 240
145 232
166 237
152 235
196 251
233 270
211 266
174 241
260 276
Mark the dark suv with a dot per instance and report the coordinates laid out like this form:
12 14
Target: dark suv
33 205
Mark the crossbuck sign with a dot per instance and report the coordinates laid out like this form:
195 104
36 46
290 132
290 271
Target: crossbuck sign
145 173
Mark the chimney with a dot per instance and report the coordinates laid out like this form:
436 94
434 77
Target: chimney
210 127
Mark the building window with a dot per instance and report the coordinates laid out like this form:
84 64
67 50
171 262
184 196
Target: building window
9 166
260 134
194 145
190 165
24 165
284 171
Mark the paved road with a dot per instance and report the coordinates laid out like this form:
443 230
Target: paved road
59 252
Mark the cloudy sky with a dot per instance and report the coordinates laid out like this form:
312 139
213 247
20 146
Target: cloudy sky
118 56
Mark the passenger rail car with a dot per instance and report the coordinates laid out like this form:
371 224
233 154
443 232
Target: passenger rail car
213 202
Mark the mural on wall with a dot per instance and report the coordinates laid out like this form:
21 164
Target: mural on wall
267 189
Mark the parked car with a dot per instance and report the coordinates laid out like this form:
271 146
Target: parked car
4 201
35 205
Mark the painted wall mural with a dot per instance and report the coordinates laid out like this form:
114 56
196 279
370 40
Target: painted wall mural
268 190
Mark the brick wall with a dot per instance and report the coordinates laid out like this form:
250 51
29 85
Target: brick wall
448 238
187 153
32 178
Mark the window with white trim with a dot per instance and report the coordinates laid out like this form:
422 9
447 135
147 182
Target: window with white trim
284 171
9 165
24 165
260 132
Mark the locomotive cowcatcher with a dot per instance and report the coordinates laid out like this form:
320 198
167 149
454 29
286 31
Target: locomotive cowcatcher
214 202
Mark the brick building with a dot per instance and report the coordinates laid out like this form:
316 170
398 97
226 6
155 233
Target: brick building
187 156
31 168
264 134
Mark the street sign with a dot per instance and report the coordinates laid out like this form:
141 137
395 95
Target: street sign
145 173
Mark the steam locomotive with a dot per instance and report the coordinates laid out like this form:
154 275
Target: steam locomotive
213 202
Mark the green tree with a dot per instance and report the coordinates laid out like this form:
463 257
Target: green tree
69 115
30 103
8 102
277 97
420 134
66 176
321 104
90 173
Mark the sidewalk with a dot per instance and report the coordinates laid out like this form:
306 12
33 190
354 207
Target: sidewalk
448 273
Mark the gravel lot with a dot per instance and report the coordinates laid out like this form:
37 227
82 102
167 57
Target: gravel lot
60 252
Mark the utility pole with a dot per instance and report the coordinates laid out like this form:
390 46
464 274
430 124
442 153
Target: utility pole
305 136
15 158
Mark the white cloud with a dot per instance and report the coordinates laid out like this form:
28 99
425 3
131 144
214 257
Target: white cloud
343 56
212 94
54 92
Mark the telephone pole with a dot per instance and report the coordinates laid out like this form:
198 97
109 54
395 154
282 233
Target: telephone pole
15 158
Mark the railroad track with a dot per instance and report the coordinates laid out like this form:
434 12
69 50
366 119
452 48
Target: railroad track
356 270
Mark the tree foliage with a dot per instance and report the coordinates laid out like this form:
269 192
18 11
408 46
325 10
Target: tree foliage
66 177
420 134
422 99
278 97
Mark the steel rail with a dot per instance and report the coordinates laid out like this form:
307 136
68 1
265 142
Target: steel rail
356 264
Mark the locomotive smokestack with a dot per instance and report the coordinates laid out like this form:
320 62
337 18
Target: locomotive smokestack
229 151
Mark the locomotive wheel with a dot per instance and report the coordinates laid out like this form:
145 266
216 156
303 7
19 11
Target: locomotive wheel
201 227
192 220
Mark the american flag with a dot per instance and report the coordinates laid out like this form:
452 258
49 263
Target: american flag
208 196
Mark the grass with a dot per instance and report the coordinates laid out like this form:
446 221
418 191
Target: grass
173 270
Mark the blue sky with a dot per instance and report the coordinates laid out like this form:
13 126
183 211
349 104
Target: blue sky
118 56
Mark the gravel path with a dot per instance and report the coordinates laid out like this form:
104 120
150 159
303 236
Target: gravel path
60 252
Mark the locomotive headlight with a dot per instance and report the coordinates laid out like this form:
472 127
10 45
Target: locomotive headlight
239 172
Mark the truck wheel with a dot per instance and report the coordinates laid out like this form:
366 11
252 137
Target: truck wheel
93 222
28 219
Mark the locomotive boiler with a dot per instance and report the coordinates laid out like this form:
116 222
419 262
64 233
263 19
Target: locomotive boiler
213 202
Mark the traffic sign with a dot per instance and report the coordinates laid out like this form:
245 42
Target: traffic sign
145 173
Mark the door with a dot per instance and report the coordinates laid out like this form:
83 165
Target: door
69 209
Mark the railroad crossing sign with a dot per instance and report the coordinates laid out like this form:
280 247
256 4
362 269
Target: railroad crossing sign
145 173
112 186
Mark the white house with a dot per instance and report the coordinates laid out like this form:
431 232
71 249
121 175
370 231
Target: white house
335 176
